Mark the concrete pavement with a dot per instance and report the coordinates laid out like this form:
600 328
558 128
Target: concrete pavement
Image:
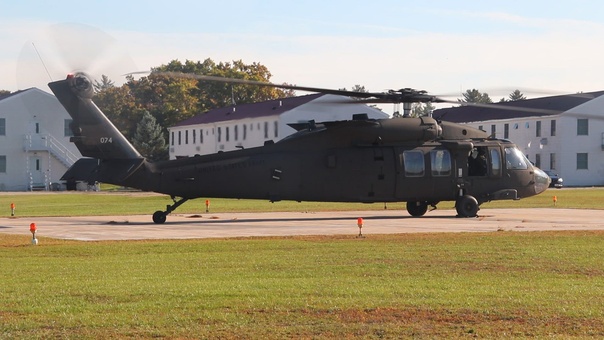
181 226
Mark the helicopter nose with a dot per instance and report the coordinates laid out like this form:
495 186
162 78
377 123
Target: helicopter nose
542 181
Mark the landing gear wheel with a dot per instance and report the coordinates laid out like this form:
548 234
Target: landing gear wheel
466 206
417 209
159 217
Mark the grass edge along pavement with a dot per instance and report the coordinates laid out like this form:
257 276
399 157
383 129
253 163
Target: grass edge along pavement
501 284
135 203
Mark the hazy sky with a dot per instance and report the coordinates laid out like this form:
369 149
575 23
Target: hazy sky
438 46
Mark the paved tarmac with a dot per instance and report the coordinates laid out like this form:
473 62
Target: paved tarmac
221 225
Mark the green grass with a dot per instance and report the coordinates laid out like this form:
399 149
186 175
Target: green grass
504 284
115 203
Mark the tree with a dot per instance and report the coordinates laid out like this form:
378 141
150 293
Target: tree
421 110
149 139
516 95
475 96
104 84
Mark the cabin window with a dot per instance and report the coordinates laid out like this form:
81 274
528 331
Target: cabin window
582 161
514 159
440 163
495 162
3 164
414 163
477 161
582 127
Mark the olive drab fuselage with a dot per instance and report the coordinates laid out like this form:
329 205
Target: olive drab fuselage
415 160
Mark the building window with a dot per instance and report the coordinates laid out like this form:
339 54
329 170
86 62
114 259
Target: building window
201 136
2 126
582 161
245 131
538 129
172 139
186 136
194 136
227 133
553 128
2 164
582 127
236 132
552 161
219 134
493 130
179 137
276 129
266 130
538 159
506 131
67 128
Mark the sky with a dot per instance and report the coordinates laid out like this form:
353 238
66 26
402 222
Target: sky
443 47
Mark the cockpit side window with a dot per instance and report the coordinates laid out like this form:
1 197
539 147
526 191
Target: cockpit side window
515 160
495 162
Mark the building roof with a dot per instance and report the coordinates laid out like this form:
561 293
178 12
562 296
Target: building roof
254 110
536 107
8 95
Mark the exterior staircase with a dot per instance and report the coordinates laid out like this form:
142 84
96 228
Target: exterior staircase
54 148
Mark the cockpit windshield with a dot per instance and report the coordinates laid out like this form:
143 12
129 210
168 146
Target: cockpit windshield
515 160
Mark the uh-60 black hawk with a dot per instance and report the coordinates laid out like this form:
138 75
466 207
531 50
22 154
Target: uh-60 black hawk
419 161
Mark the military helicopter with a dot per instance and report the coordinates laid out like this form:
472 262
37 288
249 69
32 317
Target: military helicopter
419 161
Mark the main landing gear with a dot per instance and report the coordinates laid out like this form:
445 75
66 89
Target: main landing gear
466 206
159 217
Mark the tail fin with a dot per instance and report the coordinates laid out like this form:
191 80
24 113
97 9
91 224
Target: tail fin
94 135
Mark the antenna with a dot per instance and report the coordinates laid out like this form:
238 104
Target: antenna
41 60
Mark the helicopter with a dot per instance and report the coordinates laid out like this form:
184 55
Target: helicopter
420 161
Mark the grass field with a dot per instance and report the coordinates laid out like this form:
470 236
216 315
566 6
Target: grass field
129 203
500 284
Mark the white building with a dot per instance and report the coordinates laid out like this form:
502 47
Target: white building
564 134
34 141
251 125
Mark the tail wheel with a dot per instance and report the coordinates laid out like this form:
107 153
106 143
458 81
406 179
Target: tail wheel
159 217
467 206
417 209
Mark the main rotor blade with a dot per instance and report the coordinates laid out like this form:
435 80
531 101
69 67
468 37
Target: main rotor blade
392 96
